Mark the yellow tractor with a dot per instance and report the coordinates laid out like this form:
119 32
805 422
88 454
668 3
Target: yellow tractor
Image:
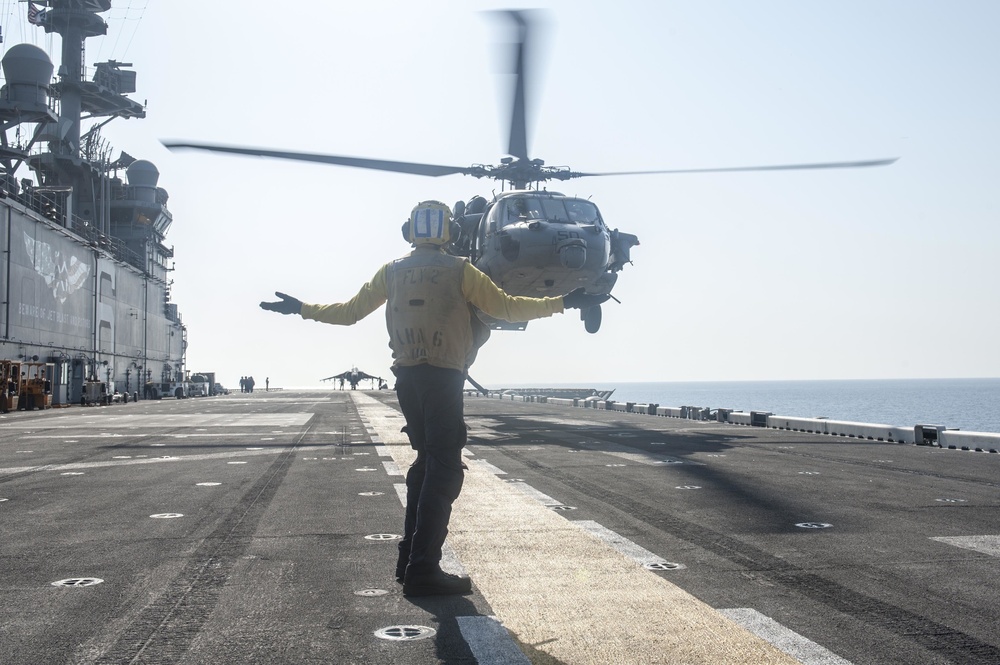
36 386
10 384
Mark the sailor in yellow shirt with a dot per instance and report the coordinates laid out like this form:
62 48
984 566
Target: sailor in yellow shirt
434 336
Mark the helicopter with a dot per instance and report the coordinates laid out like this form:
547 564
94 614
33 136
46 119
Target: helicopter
530 241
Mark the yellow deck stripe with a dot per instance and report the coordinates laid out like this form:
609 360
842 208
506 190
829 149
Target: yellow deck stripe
566 596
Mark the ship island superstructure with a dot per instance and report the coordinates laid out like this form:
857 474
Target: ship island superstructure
84 268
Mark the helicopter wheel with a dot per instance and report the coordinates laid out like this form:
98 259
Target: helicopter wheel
591 318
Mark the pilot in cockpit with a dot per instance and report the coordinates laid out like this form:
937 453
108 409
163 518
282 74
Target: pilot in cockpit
581 212
521 209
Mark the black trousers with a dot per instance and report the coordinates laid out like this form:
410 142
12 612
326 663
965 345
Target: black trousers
431 400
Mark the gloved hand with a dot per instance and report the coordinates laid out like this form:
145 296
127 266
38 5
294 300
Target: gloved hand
580 299
287 304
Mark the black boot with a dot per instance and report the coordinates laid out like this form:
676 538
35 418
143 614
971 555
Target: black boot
435 583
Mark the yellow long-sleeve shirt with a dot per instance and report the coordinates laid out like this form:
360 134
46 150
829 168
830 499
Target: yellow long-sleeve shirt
477 290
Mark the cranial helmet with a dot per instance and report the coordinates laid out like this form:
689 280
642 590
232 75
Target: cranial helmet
430 223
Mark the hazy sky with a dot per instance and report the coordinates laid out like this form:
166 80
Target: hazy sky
870 273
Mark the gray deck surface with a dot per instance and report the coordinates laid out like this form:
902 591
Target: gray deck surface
259 529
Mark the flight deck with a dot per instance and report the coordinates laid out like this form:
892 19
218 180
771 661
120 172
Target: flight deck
261 528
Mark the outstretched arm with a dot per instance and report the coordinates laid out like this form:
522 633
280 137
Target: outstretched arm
480 290
370 297
487 296
287 304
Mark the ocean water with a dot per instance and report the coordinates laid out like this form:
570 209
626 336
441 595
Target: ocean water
966 404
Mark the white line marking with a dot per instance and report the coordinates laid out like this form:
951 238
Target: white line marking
984 544
543 499
170 422
632 550
490 642
787 640
143 460
217 435
400 493
487 467
391 468
625 452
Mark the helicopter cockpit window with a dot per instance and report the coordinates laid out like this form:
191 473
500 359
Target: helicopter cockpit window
522 208
555 211
582 212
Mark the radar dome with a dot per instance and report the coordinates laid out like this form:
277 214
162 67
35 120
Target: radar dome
28 71
142 173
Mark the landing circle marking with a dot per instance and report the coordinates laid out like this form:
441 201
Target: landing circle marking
663 565
78 582
405 633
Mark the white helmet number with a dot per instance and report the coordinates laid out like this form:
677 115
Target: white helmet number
428 223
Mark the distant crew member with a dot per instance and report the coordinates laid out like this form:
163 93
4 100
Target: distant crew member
431 334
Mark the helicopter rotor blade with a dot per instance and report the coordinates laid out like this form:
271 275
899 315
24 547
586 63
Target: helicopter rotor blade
734 169
518 144
433 170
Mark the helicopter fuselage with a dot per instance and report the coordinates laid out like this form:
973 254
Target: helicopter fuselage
539 243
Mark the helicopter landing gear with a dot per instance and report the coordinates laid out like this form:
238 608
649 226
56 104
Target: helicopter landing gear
591 318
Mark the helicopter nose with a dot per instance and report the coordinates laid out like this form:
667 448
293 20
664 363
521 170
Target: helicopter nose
573 256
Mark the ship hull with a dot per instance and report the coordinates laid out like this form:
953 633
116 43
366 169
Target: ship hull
72 302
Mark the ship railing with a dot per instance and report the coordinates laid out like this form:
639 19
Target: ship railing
113 246
50 204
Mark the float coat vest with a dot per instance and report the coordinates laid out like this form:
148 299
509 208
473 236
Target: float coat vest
426 313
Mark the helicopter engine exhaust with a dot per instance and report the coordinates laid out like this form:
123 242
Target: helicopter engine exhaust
572 253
